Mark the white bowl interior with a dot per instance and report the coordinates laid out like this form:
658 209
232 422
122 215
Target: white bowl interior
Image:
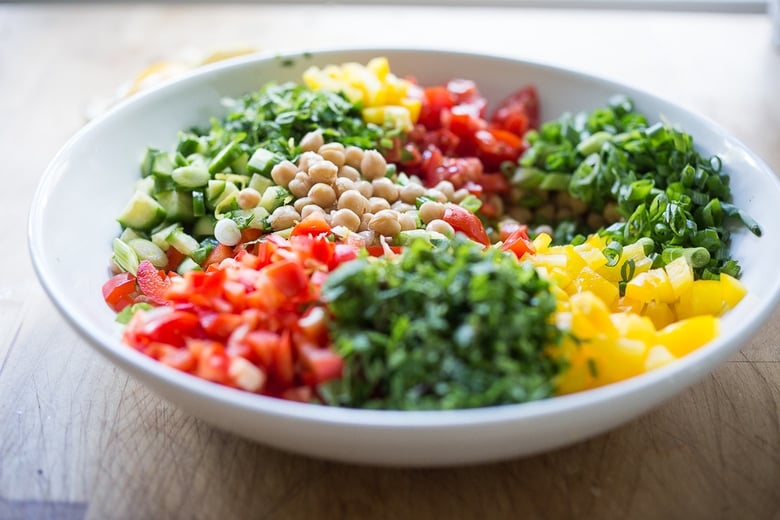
72 222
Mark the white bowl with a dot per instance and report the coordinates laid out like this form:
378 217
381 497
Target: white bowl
72 223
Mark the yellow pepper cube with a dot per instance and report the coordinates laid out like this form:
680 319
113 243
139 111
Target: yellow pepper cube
732 290
395 116
591 255
680 276
589 280
413 106
651 285
634 326
590 316
379 66
687 335
542 242
658 356
620 358
625 304
707 298
660 313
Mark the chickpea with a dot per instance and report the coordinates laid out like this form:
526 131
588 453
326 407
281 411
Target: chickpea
283 217
408 221
348 172
283 173
436 195
323 171
431 210
402 207
310 210
343 184
300 185
611 213
376 204
563 213
333 152
365 188
386 189
365 218
307 160
563 199
373 166
248 198
368 236
544 228
322 195
345 217
312 141
301 203
354 201
353 156
385 223
578 206
459 195
595 221
546 211
521 214
411 192
440 226
447 189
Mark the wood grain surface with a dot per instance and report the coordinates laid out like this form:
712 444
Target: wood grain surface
80 439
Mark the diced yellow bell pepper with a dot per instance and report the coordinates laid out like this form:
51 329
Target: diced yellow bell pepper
732 290
625 304
619 358
589 280
707 298
592 256
379 66
660 313
590 316
680 276
634 326
396 116
651 285
542 242
687 335
413 106
658 356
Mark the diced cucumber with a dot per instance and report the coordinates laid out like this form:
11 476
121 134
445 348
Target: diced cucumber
125 257
191 176
179 160
263 161
198 203
160 237
224 157
260 183
239 164
260 218
177 204
214 189
274 197
183 242
206 247
204 226
142 212
148 161
188 144
145 184
129 234
148 250
188 264
162 164
229 190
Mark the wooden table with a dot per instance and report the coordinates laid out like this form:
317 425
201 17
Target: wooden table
78 438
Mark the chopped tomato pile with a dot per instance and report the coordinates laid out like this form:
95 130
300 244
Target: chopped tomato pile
250 321
454 141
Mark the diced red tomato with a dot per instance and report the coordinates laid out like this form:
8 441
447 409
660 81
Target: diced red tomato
323 364
466 222
219 253
212 361
435 100
519 112
494 146
152 282
314 225
119 291
288 277
518 242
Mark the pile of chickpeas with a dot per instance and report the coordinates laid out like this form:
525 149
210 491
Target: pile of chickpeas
350 188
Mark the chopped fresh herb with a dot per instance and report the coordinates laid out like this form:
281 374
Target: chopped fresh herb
444 327
664 188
